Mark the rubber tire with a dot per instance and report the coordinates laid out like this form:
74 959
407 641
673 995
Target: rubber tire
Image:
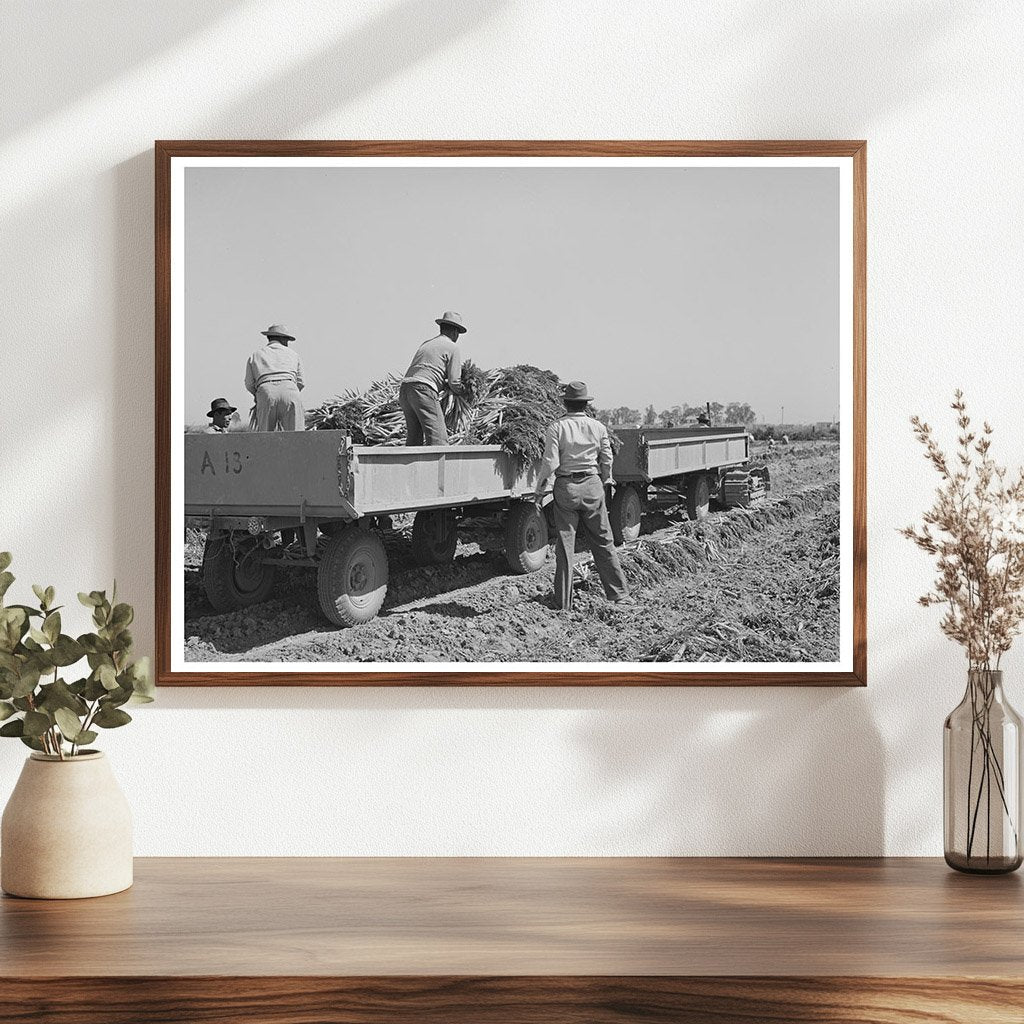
427 549
352 577
698 497
526 538
224 589
625 512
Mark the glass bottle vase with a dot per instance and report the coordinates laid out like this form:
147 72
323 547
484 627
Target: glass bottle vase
981 773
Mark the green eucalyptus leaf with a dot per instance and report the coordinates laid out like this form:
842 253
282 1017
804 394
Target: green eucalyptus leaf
40 593
89 600
115 698
122 615
5 560
69 724
107 676
6 710
86 736
22 703
111 718
38 636
94 644
13 626
66 651
94 689
29 611
142 678
95 660
51 626
59 695
31 741
9 663
50 595
36 723
13 728
27 681
6 579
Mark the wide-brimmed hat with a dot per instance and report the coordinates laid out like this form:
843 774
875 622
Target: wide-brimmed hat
451 318
278 331
576 391
220 405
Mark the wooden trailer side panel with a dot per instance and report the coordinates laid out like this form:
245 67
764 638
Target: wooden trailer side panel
652 453
405 479
317 474
265 472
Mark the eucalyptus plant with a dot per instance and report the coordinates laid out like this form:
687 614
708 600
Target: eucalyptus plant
37 704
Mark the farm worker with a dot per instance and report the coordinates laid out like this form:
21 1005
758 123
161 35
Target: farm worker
273 375
437 365
578 452
220 416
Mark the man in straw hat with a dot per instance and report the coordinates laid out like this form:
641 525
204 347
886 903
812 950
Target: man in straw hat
436 366
273 375
578 452
221 411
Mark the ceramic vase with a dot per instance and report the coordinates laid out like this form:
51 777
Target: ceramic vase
66 831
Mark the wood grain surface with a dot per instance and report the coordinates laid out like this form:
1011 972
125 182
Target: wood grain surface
588 940
166 150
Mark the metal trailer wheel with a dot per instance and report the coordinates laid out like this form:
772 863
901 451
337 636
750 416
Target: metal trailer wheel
698 496
526 537
434 537
234 573
352 577
625 511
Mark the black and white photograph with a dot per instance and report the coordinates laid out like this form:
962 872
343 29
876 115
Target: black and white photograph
568 415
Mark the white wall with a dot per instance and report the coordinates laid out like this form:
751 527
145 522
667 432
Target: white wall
935 87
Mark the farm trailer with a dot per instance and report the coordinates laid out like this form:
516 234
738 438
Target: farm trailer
244 488
698 465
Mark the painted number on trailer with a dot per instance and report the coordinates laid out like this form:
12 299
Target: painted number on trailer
232 463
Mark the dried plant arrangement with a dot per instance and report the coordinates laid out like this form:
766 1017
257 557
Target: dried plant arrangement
975 532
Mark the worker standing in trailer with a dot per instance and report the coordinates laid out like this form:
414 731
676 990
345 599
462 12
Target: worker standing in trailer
221 411
436 367
578 453
273 376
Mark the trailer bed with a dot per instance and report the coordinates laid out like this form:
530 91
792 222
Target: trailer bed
319 474
649 454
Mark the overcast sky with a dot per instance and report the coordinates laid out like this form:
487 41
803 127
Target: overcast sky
654 285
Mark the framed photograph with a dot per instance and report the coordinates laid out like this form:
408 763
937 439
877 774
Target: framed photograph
492 413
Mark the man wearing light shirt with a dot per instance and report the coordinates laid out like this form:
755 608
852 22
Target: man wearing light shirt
578 453
273 375
436 367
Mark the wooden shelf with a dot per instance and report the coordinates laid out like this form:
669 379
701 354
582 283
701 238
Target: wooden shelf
505 940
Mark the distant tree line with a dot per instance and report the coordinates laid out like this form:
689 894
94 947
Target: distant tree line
738 413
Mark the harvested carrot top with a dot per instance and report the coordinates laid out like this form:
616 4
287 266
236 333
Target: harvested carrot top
510 407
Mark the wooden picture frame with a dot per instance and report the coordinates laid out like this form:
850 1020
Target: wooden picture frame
847 157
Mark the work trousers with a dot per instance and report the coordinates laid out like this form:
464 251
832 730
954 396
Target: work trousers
279 406
424 420
583 502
